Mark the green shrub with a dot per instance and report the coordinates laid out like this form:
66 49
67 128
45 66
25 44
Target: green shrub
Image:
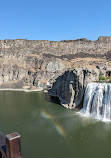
101 78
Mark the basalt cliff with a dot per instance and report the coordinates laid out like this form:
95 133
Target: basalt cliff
66 67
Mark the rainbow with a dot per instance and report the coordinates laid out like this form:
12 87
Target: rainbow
57 125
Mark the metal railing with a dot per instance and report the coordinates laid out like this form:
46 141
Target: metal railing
10 146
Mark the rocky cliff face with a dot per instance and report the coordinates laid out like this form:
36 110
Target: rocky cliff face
67 66
70 86
38 63
35 64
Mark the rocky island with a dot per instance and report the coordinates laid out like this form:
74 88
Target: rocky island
63 67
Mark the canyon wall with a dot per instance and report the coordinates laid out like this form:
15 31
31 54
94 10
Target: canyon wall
32 64
37 63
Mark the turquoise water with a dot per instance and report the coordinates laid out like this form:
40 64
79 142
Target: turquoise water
50 131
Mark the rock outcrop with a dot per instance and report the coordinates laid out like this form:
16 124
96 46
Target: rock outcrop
70 86
38 64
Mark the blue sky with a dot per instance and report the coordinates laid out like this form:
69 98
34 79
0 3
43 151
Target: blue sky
55 19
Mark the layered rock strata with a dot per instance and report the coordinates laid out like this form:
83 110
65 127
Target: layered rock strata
38 64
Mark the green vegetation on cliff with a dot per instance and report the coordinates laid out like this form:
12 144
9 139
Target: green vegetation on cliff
104 79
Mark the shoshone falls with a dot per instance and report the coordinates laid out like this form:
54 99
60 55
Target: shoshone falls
97 101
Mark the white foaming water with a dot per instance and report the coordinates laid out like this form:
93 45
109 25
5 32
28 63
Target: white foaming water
97 101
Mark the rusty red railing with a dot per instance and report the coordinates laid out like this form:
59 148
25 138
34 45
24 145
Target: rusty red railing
10 146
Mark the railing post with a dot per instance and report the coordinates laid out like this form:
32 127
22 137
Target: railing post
0 155
13 145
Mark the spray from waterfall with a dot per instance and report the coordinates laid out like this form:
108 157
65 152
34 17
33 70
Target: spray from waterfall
97 101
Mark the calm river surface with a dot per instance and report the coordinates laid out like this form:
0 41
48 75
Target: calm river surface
50 131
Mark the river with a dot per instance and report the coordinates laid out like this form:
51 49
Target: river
50 131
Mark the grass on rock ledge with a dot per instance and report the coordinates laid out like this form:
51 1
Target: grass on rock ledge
103 79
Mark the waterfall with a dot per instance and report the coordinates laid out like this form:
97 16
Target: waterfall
97 101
